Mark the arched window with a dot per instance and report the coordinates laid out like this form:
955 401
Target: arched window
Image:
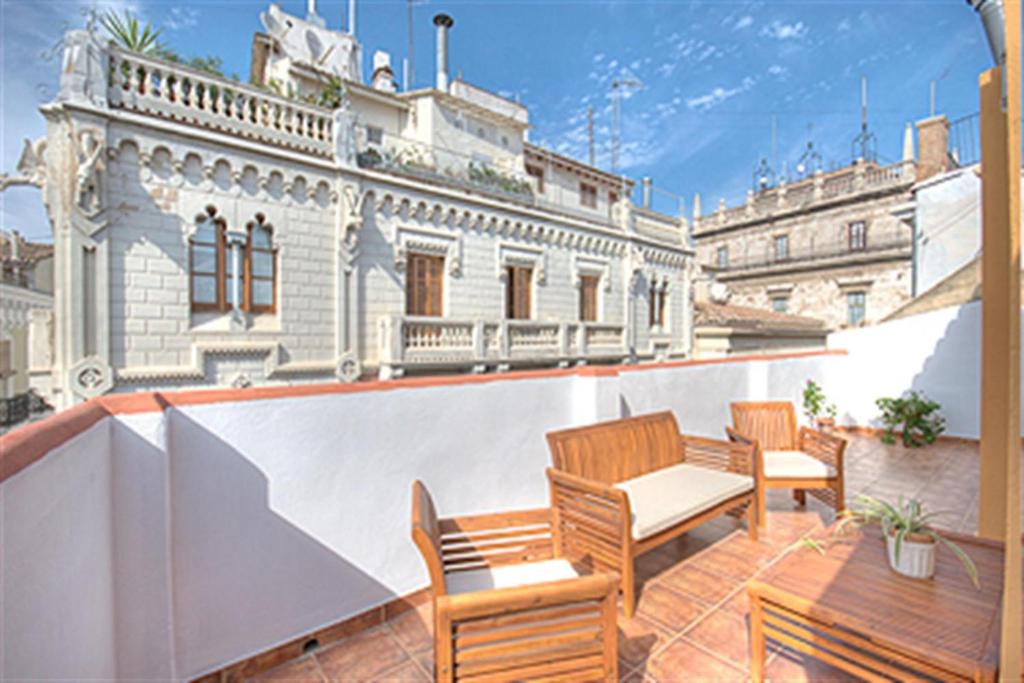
207 268
260 267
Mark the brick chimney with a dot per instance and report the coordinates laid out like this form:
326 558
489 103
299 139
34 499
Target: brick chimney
932 147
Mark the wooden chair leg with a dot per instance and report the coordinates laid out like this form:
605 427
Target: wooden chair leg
752 521
800 496
628 590
840 495
762 508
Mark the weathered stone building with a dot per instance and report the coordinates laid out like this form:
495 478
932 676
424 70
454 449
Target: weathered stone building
209 232
836 246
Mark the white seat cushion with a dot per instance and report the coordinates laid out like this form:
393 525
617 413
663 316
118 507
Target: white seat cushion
795 465
509 576
668 496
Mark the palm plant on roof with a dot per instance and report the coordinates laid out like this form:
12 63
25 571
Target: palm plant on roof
130 33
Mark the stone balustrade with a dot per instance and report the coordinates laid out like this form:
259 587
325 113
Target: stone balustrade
820 188
166 90
411 342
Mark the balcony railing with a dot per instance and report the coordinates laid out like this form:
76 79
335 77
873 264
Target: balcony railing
797 257
178 93
427 342
825 187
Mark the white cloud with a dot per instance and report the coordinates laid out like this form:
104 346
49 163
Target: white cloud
718 95
181 18
778 71
599 57
781 31
743 22
844 25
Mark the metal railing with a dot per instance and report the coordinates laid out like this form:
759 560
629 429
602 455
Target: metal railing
812 253
419 341
965 140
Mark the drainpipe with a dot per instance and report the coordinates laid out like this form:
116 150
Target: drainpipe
236 240
443 22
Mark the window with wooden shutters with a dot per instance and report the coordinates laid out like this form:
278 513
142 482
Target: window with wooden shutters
517 303
588 195
424 285
857 233
207 263
588 298
260 267
537 173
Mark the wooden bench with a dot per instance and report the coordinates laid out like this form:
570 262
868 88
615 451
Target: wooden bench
623 487
505 607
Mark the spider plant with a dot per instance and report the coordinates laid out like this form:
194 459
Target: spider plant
903 521
130 33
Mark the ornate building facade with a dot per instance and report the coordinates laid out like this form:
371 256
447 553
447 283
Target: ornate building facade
209 233
836 246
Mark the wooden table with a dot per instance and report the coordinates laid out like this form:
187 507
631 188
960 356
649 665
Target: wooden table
847 608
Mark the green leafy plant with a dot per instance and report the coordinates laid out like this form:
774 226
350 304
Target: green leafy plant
915 416
903 521
816 403
333 93
130 33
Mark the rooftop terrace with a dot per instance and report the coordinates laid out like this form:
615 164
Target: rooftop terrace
216 534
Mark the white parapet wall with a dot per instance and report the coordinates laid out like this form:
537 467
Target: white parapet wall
937 353
178 533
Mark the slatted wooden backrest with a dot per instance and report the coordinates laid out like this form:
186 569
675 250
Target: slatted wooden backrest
562 630
771 423
495 539
618 450
426 534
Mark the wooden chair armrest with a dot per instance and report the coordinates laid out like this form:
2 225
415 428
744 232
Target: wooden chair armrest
827 448
600 511
499 601
738 456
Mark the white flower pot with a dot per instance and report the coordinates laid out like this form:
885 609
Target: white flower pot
916 560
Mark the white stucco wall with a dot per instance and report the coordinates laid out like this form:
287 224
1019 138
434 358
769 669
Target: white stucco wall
937 353
57 568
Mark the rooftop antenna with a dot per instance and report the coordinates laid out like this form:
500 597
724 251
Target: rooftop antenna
865 145
618 85
810 161
590 133
932 86
775 148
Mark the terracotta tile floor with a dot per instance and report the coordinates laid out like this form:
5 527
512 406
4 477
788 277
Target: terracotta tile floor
691 623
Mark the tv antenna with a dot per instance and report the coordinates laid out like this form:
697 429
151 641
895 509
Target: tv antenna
810 161
590 134
618 86
865 145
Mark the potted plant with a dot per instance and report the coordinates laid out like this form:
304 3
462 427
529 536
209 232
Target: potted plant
818 410
909 538
915 415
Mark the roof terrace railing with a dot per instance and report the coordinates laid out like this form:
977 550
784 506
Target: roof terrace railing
178 93
819 189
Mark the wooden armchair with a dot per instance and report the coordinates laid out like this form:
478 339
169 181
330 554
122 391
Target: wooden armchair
506 609
805 460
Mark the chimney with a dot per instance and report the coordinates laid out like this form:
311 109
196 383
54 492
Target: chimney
646 185
383 77
932 147
443 22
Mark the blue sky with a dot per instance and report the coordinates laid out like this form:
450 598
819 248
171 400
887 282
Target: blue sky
713 73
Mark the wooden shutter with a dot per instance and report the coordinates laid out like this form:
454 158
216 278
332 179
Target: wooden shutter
588 298
517 301
424 285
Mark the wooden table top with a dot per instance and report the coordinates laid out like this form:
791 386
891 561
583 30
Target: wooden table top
945 620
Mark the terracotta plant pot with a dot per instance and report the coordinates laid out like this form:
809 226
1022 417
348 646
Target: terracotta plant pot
825 424
917 556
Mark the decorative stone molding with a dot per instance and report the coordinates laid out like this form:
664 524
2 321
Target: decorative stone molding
431 242
195 370
524 257
348 368
90 377
599 268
